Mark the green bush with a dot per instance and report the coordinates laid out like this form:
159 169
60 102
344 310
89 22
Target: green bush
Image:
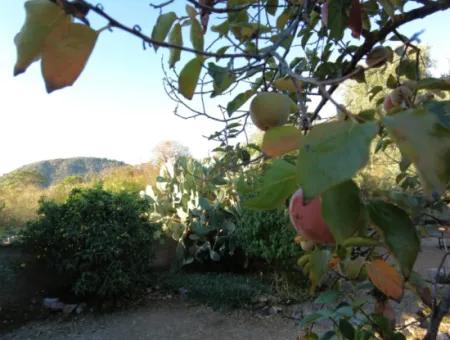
218 290
101 241
268 235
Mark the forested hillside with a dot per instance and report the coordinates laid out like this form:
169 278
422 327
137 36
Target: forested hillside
21 189
49 172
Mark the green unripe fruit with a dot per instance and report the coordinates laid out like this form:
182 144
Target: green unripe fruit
270 109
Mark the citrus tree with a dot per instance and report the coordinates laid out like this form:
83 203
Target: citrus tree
281 62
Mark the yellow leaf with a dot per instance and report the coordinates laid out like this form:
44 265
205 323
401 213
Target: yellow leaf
280 140
298 239
65 54
42 16
189 75
175 38
385 278
282 19
287 84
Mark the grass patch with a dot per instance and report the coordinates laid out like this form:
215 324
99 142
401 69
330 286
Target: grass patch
218 290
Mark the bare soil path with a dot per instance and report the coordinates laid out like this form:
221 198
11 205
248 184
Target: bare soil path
176 319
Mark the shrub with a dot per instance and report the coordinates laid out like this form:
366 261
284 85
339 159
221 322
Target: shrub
102 241
221 290
268 235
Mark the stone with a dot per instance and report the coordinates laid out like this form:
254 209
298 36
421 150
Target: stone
69 309
53 304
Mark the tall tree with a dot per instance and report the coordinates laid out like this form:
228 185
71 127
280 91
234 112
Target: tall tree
169 150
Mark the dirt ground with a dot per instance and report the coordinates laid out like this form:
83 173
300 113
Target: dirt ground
177 318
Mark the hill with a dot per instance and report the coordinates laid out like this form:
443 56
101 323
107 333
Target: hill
49 172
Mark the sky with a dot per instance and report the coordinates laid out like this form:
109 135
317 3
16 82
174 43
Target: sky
117 108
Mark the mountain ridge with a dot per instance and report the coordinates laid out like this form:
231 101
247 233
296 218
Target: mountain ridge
54 170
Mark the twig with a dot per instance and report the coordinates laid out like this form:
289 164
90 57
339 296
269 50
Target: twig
373 38
161 5
439 310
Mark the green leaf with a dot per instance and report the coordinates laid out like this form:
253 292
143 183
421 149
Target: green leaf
425 141
190 10
345 310
214 255
342 210
175 38
272 6
398 231
162 27
441 110
352 268
374 91
199 229
238 101
328 297
247 30
420 286
434 84
319 266
42 16
332 153
221 51
328 335
306 36
407 68
189 76
222 28
278 183
367 115
362 334
222 78
388 7
280 140
310 319
346 329
337 17
391 82
358 241
196 35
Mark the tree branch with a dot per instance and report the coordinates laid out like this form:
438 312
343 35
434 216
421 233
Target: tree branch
373 38
440 309
132 30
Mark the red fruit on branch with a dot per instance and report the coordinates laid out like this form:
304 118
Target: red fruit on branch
355 19
306 217
401 95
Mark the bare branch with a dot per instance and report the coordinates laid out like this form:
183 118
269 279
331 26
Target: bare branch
440 309
161 5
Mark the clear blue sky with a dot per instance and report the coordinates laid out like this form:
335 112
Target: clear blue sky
117 108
